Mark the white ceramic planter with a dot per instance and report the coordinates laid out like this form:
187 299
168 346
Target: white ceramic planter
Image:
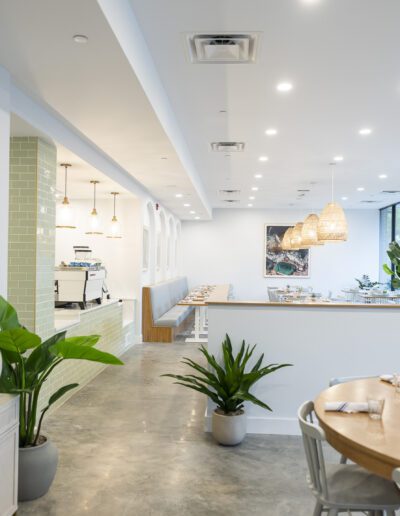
229 430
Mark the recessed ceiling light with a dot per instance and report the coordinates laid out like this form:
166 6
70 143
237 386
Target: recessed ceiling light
197 218
338 158
192 212
271 132
344 198
80 38
360 189
263 158
365 131
186 205
251 198
254 188
284 86
250 205
258 176
382 176
178 195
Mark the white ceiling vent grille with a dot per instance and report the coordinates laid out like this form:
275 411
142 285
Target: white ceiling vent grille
222 48
227 146
229 195
391 191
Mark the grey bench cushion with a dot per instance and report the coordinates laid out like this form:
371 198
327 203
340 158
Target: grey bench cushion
174 317
164 297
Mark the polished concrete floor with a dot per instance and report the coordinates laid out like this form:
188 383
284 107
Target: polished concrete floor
132 444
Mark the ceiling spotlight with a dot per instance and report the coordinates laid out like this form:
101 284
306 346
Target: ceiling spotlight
360 189
186 205
254 188
192 212
258 176
365 131
284 86
80 38
344 198
250 205
263 158
271 132
338 158
251 198
382 176
178 195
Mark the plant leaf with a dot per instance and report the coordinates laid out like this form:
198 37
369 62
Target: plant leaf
8 316
71 350
18 340
41 357
58 394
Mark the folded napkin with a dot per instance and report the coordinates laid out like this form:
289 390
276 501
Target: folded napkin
346 406
386 378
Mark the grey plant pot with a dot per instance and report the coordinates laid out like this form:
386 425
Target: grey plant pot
37 469
229 430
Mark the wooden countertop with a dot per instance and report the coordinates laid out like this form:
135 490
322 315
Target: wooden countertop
318 304
220 293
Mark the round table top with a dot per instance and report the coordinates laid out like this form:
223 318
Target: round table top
375 445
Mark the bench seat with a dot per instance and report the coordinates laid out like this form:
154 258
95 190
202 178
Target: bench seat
174 317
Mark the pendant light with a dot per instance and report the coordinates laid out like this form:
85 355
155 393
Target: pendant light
64 212
332 225
115 225
94 217
286 245
309 232
295 239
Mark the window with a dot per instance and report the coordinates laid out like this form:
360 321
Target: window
389 218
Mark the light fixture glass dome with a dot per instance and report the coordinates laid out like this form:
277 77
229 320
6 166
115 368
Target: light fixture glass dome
332 226
309 232
65 216
115 229
94 222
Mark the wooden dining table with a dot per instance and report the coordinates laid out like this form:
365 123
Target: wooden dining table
373 444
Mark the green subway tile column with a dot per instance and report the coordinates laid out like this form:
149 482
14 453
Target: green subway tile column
31 247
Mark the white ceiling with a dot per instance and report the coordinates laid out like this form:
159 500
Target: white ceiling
342 57
93 87
79 174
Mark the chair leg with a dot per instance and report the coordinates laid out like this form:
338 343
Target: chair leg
318 509
343 459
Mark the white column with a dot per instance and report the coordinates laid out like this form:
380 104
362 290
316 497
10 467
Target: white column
4 175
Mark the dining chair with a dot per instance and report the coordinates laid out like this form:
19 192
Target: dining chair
272 294
342 487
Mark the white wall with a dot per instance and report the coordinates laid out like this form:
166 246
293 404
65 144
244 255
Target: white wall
230 249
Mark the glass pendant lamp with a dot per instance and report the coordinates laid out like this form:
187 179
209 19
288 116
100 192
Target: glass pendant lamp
115 225
332 225
309 232
65 215
94 216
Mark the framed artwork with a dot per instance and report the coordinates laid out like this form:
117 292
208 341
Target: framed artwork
279 263
146 248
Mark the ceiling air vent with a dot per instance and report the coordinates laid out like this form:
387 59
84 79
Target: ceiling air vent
227 146
368 201
222 48
391 191
231 200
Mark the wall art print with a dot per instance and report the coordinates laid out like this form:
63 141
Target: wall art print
279 263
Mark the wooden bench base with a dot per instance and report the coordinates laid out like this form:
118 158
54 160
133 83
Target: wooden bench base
163 334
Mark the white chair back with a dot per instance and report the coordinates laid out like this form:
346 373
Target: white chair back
313 436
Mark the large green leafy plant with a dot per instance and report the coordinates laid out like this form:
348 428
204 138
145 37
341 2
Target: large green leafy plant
28 363
394 256
227 384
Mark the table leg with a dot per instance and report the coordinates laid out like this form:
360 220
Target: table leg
197 327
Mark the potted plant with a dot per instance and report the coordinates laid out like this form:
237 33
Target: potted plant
27 363
394 256
228 386
365 283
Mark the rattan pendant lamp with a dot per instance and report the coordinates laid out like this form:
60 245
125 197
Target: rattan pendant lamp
309 232
332 225
286 240
295 239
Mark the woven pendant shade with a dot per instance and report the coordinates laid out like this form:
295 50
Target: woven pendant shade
309 232
295 239
286 245
332 226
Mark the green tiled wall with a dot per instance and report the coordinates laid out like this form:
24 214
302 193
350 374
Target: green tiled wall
31 232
